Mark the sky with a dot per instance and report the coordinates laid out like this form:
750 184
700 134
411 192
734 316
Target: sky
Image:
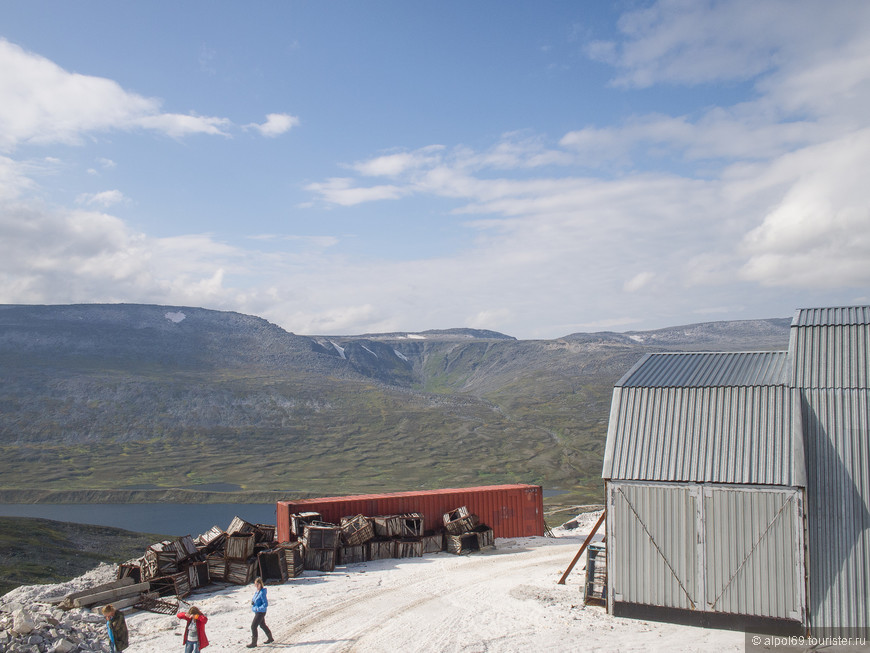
534 168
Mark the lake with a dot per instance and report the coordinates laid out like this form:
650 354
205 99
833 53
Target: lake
174 519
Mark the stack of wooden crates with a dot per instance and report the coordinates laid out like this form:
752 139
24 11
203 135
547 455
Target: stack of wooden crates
465 533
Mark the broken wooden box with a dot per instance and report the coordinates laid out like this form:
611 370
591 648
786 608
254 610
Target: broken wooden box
356 530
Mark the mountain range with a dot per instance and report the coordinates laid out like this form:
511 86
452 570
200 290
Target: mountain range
131 402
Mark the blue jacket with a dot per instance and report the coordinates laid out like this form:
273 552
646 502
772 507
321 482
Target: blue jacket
259 603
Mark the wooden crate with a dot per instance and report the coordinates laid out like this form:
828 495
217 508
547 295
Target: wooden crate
432 542
272 565
184 548
159 560
409 547
239 525
485 536
320 559
462 525
172 585
387 525
356 530
132 569
294 556
380 549
411 525
217 566
182 584
239 546
319 535
462 543
241 572
211 540
456 514
198 574
299 520
348 555
265 533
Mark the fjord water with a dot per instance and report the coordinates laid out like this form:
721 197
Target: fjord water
173 519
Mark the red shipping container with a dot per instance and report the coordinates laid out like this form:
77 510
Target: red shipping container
510 510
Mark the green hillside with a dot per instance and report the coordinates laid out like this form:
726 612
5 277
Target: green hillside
117 397
74 549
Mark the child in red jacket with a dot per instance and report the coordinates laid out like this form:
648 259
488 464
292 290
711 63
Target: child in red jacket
194 631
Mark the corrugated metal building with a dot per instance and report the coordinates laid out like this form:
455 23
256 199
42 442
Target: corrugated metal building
831 354
705 475
723 469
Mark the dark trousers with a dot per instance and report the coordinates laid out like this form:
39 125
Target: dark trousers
259 620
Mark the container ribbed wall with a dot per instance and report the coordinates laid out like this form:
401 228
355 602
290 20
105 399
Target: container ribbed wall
510 510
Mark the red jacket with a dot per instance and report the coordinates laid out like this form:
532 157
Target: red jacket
200 627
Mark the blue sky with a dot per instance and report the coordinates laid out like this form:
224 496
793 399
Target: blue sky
353 167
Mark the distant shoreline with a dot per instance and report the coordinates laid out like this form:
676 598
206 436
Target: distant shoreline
165 495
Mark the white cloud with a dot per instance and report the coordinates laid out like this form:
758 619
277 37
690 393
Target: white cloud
319 242
690 42
13 179
43 103
638 281
57 256
276 124
393 165
341 191
104 199
178 125
818 234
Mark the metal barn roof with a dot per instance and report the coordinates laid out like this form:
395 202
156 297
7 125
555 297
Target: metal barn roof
715 369
717 418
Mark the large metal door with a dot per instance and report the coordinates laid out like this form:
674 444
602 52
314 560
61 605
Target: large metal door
753 553
652 536
713 548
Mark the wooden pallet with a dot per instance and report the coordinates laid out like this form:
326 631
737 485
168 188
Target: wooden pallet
157 605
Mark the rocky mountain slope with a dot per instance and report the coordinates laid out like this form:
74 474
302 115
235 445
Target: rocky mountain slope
117 397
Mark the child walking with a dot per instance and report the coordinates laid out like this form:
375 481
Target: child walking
194 632
116 626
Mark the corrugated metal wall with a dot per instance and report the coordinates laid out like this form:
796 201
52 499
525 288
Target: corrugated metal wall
730 434
510 510
707 547
837 423
831 353
830 356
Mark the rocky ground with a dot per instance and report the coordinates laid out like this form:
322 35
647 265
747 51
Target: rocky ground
30 624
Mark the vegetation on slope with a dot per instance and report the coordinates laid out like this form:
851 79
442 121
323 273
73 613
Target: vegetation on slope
43 551
127 396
